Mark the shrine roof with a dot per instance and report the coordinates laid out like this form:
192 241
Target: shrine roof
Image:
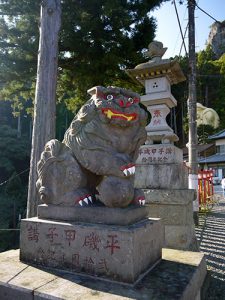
216 158
218 135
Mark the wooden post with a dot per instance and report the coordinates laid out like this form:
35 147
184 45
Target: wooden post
44 107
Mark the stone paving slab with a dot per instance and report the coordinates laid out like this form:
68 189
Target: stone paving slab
179 275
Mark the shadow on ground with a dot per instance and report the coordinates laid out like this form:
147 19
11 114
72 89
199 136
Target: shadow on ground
211 236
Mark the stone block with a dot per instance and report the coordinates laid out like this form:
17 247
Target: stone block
159 154
93 214
166 176
175 209
167 196
171 214
121 253
181 237
191 259
157 85
159 98
158 118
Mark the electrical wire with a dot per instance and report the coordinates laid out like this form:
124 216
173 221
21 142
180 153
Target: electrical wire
206 12
183 36
178 20
182 40
4 182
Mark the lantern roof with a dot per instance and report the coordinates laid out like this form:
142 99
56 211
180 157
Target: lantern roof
157 67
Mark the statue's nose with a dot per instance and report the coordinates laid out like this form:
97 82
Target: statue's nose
123 103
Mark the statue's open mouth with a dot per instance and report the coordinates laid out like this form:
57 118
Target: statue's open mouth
114 114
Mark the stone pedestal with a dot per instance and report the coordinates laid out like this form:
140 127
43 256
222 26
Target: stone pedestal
121 253
161 166
160 172
174 207
97 214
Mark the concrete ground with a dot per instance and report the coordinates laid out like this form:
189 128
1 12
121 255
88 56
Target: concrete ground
179 276
211 235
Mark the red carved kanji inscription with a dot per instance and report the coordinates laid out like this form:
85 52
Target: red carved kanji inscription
112 243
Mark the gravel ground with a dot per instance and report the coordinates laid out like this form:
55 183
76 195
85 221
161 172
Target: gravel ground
211 235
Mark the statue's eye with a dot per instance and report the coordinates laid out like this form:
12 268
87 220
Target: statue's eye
131 100
109 97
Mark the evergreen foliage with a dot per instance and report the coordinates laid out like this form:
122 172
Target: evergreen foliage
12 209
98 39
14 151
14 159
211 82
210 92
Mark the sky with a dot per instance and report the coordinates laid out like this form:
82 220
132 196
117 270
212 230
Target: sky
167 25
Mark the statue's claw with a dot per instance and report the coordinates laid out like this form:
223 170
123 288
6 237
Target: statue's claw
139 201
90 198
142 201
128 169
84 201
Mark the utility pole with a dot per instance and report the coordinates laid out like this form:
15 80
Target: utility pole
192 107
45 104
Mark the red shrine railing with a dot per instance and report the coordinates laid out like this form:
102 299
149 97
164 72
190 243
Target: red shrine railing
205 189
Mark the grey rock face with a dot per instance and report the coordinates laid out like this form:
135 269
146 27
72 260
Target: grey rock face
98 153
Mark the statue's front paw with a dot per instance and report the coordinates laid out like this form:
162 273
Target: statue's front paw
85 200
139 201
139 197
128 170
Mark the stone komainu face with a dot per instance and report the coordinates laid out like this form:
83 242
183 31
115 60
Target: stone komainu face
117 106
100 147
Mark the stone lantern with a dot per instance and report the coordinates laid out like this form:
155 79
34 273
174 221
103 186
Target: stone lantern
157 76
160 170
